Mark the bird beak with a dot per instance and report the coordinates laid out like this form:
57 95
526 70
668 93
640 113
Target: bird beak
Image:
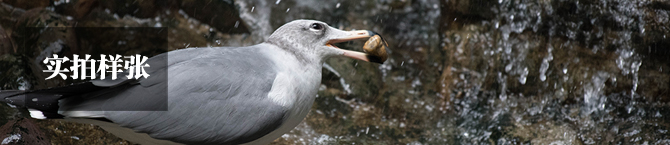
353 35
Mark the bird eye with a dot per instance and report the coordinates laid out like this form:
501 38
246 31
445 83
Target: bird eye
317 26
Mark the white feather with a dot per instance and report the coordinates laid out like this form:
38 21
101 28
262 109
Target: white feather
37 114
82 113
281 92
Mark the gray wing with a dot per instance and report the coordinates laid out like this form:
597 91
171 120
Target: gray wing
216 95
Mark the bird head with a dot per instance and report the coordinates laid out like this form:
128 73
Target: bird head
310 37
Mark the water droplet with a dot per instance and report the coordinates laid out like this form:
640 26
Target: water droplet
524 75
237 23
277 2
252 9
288 9
545 65
337 5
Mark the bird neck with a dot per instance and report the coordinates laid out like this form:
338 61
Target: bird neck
304 54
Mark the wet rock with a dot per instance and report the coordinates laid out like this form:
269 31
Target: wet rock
30 4
399 4
9 16
544 133
139 9
469 9
83 7
189 32
10 113
660 5
553 63
23 131
6 42
35 44
221 15
76 8
62 132
256 15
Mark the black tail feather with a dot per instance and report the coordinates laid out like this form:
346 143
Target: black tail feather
8 93
12 97
46 100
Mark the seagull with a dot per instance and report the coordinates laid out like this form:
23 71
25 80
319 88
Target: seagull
215 95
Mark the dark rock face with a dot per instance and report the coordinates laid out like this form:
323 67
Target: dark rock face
590 69
23 131
63 132
6 43
27 4
218 14
459 71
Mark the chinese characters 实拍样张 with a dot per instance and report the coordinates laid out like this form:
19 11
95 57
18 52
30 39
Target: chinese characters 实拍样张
85 67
